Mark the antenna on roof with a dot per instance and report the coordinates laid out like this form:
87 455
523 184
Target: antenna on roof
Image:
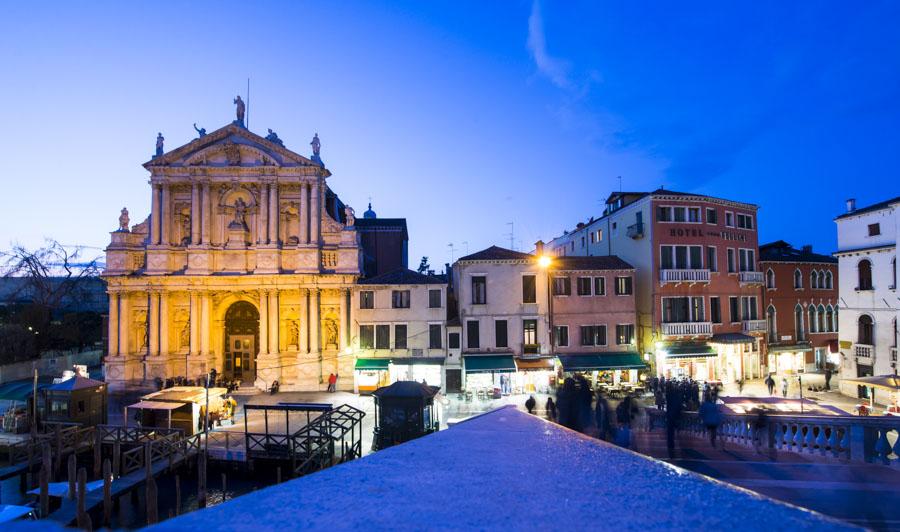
512 235
452 249
248 103
466 243
620 184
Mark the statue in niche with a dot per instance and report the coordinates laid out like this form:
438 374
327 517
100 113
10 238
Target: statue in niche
240 109
201 131
293 333
123 220
159 144
185 227
350 214
240 210
331 333
184 337
140 327
273 137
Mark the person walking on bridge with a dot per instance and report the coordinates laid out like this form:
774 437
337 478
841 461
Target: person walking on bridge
770 384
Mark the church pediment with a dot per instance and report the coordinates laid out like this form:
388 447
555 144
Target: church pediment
231 146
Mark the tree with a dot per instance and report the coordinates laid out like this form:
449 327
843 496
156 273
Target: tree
424 266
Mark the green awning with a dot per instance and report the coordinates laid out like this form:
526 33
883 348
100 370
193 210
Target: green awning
689 351
490 363
601 361
418 361
372 363
789 348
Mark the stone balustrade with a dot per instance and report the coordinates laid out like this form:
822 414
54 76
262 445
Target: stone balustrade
751 326
693 328
863 350
750 277
684 276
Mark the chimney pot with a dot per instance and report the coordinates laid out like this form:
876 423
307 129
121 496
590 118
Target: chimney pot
539 248
851 204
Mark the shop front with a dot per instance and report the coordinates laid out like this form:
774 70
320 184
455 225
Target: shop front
534 375
697 361
735 360
425 370
787 359
489 373
605 368
370 374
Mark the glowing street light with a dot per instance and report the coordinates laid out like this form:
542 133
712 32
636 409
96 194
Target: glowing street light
544 261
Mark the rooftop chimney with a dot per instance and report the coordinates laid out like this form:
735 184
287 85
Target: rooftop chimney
851 204
539 248
807 248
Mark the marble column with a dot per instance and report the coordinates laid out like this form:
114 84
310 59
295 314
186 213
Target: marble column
124 323
196 201
304 320
274 322
262 218
153 322
155 214
263 322
113 340
314 215
165 216
274 214
204 213
342 322
204 323
314 336
163 323
195 323
304 213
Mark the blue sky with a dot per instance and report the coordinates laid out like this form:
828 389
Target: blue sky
460 116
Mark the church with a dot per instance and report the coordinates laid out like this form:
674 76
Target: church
246 265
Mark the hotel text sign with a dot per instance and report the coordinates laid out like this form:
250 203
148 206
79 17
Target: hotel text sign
699 233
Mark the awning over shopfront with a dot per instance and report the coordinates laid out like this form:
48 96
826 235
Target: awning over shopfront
689 351
833 346
489 363
372 364
418 361
601 361
731 338
790 348
534 364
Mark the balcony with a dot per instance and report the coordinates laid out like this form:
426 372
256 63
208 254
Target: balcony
748 278
752 326
636 231
691 328
531 349
863 350
684 276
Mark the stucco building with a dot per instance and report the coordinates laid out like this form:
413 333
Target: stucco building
697 281
801 308
867 262
245 264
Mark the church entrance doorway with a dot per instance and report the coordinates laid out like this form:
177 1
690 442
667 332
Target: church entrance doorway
241 341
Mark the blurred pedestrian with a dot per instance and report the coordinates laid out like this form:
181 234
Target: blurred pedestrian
601 416
530 404
711 418
674 404
784 387
551 409
770 383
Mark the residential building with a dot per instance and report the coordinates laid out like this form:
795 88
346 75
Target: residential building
399 332
245 264
869 306
697 281
801 308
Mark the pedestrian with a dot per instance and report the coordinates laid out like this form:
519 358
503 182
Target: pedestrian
551 409
530 403
784 387
566 405
740 385
710 416
828 377
673 415
601 416
770 384
332 380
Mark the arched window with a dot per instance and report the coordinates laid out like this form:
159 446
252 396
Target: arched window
821 275
771 324
821 326
829 319
813 279
770 278
864 269
798 322
812 319
866 330
829 280
798 279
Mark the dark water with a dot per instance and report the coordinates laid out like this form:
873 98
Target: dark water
130 513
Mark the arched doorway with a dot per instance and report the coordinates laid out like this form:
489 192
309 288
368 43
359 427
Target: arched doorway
241 341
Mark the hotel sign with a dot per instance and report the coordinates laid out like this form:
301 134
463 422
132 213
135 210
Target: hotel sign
699 233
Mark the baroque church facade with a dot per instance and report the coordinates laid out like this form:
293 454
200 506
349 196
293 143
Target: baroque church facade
245 265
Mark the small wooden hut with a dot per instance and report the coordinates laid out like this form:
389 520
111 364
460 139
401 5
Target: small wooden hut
75 400
405 410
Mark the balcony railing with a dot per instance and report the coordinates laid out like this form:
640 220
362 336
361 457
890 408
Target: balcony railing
893 354
750 277
531 349
692 328
863 350
636 231
684 276
752 326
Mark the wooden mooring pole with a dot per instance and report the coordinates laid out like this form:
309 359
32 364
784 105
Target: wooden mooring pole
72 473
201 480
224 487
82 517
45 481
107 492
177 495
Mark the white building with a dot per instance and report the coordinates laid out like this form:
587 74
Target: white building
399 331
869 305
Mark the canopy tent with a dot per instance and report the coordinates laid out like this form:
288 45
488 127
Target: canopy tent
490 363
689 351
372 363
601 361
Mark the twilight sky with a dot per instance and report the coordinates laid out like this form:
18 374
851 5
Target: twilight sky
460 116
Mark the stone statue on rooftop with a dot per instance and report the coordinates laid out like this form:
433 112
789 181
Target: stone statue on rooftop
123 220
316 145
200 130
350 214
273 137
159 144
240 110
